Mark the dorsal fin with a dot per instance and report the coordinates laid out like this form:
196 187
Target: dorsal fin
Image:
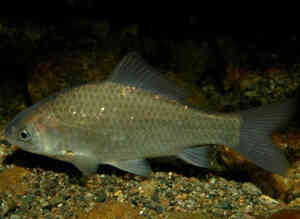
134 71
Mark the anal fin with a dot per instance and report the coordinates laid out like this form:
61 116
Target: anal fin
139 167
197 156
85 165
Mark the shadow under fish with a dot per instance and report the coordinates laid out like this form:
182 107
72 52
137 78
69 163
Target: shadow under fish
137 114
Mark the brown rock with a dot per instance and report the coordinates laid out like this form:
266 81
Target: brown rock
11 181
286 214
147 187
186 215
111 210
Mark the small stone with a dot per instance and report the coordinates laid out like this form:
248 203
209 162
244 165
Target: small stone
101 196
295 203
251 189
155 197
89 196
43 202
15 216
268 200
212 180
182 196
7 206
118 193
148 187
224 205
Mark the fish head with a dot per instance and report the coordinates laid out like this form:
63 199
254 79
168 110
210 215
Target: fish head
33 130
22 135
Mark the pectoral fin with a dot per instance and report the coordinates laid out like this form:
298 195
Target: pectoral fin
138 167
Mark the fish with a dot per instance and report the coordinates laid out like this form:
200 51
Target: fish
137 114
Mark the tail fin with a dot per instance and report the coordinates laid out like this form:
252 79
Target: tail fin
256 134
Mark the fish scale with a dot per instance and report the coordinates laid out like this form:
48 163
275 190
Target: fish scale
135 113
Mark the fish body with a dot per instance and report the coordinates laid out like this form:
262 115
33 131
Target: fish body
136 114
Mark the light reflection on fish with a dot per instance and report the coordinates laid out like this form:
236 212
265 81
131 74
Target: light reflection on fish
136 114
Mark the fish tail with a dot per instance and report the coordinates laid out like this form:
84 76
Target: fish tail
256 135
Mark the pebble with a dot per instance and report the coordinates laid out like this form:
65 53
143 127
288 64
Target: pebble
268 200
251 189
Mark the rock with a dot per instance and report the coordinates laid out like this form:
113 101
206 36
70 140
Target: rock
110 210
286 214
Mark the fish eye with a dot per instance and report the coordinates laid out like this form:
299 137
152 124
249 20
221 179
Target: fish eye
24 135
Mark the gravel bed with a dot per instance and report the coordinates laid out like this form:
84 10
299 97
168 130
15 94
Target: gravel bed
49 194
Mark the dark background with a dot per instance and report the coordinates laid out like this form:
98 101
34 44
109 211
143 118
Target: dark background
253 43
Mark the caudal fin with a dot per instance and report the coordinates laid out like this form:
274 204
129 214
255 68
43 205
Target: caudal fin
256 134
